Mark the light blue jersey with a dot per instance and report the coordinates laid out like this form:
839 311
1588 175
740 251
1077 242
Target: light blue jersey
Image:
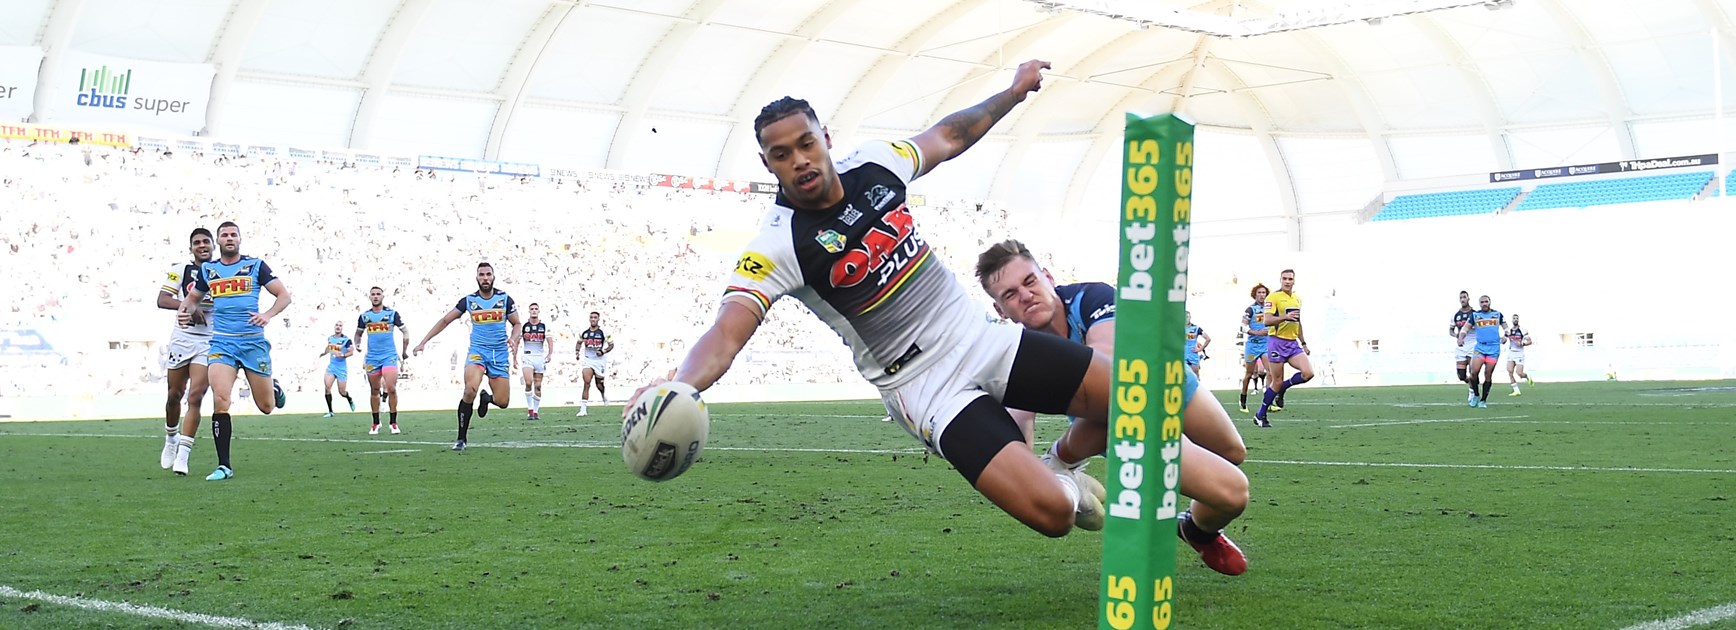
488 318
234 289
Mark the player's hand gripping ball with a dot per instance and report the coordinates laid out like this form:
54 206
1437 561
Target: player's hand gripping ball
664 432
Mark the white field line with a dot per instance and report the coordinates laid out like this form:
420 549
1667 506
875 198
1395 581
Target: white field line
892 451
1708 471
1429 421
1700 617
146 611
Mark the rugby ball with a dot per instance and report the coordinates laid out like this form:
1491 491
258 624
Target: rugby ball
664 431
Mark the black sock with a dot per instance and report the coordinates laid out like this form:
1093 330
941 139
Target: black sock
220 433
463 420
1192 532
1461 374
328 403
394 419
349 400
1244 399
376 418
1486 386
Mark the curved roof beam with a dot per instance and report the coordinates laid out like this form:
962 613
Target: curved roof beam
1595 60
56 39
1361 103
1487 105
760 88
518 73
1013 51
637 97
231 45
1108 132
866 93
382 65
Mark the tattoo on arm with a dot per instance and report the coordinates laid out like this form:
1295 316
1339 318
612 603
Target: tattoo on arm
965 127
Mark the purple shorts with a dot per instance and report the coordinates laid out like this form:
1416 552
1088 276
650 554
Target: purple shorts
1279 349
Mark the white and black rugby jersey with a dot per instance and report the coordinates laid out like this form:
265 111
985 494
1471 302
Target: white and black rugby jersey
179 281
863 269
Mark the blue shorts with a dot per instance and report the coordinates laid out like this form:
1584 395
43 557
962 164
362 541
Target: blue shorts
1253 353
245 353
1192 358
340 370
494 361
374 365
1489 349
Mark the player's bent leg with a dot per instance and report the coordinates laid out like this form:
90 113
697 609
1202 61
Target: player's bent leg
983 443
1304 369
472 381
263 395
500 390
1220 494
1050 374
1208 424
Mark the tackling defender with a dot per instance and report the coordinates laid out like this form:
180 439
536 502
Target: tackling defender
238 342
840 239
188 345
1491 326
1026 293
594 344
493 339
1466 343
1254 348
339 348
536 360
1517 340
1286 346
381 362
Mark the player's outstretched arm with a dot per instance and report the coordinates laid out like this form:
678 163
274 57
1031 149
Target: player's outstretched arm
737 320
958 131
451 316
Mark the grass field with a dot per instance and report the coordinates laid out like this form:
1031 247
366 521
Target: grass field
1589 505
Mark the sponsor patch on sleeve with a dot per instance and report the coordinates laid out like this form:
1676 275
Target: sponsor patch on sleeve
755 266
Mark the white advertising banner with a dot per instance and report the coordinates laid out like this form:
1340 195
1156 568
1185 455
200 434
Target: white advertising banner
119 92
18 65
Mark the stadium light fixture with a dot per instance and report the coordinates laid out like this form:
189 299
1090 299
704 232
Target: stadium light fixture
1370 11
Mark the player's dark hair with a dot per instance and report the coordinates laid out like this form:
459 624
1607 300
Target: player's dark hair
596 313
778 110
225 224
376 289
481 265
997 256
531 304
1465 293
199 230
1257 289
1287 271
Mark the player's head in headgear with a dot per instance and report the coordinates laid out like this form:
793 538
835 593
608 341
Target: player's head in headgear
1023 290
228 239
199 244
595 317
485 278
534 311
376 296
1464 299
1287 280
1259 292
797 149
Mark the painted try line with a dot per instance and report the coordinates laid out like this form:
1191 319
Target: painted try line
146 611
609 444
504 444
1700 617
1429 421
1708 471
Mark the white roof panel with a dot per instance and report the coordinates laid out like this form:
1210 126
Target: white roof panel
181 31
467 45
24 22
320 38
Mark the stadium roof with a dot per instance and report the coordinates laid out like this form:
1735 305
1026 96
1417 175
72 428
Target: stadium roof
671 85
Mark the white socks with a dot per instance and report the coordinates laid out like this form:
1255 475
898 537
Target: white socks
1070 487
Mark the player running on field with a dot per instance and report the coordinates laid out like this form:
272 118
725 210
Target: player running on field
493 338
840 238
1286 344
1490 327
375 326
1517 340
188 346
1465 343
536 359
1254 348
238 342
339 348
594 348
